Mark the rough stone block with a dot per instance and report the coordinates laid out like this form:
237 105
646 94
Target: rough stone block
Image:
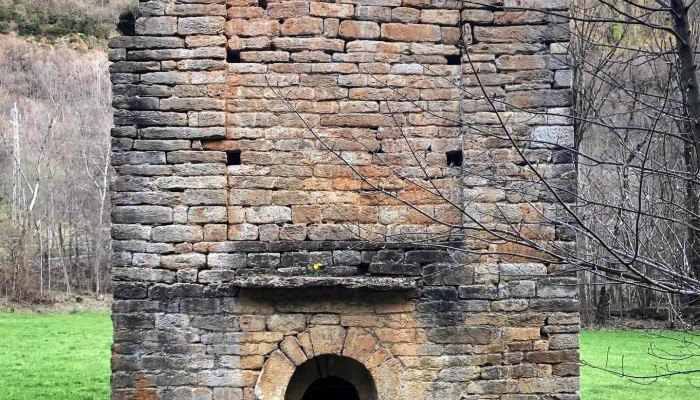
359 29
263 260
347 257
200 25
327 339
411 32
180 261
558 287
142 215
288 324
302 26
268 215
549 137
332 10
474 292
226 261
462 334
156 26
448 274
199 215
177 233
204 197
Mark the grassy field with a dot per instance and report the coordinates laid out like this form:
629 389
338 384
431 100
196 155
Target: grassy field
66 357
55 357
597 348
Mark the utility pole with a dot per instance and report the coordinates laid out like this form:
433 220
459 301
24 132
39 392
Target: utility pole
17 184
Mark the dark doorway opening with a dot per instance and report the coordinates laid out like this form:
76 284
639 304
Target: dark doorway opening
331 388
331 377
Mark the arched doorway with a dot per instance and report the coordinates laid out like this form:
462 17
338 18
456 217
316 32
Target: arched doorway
331 377
331 388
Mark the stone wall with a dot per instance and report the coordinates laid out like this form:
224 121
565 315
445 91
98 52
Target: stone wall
259 138
311 79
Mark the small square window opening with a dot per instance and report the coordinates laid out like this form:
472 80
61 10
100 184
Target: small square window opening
454 60
233 56
454 158
233 157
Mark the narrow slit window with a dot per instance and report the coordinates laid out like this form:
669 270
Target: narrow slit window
233 157
454 158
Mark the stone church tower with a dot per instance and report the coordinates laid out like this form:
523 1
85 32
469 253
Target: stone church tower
308 196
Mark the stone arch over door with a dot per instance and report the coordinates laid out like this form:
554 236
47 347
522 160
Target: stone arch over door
371 368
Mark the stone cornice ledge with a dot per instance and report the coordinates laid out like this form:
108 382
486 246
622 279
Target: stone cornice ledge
382 283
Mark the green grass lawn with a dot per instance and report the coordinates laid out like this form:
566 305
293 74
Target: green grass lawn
597 348
66 357
55 357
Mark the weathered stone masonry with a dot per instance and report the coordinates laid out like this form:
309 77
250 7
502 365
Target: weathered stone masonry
224 200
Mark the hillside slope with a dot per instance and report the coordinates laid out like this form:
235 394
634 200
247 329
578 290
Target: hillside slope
54 19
